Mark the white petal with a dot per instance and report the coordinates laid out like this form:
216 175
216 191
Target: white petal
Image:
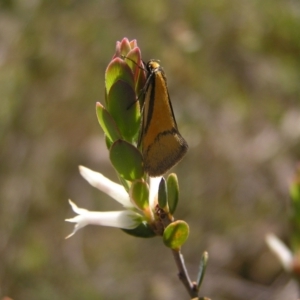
76 208
282 252
154 184
114 190
122 219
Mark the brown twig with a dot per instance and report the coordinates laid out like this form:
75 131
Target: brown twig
183 274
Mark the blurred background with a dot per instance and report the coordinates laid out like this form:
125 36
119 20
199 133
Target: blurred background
233 70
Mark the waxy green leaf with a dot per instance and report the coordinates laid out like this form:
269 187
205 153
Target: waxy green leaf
125 109
127 160
107 123
176 234
139 194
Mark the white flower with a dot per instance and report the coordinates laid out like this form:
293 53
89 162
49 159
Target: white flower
112 189
154 184
282 252
125 219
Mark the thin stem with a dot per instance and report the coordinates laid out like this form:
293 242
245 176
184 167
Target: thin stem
183 274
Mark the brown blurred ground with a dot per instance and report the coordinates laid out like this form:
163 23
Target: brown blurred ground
233 71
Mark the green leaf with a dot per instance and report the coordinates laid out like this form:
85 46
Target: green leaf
143 231
139 194
176 234
125 109
173 192
125 46
127 160
133 59
108 142
118 70
163 195
126 184
202 269
295 193
107 123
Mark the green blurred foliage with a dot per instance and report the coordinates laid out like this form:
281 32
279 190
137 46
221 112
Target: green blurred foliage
233 72
295 211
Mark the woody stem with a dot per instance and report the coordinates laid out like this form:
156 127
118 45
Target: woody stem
183 274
